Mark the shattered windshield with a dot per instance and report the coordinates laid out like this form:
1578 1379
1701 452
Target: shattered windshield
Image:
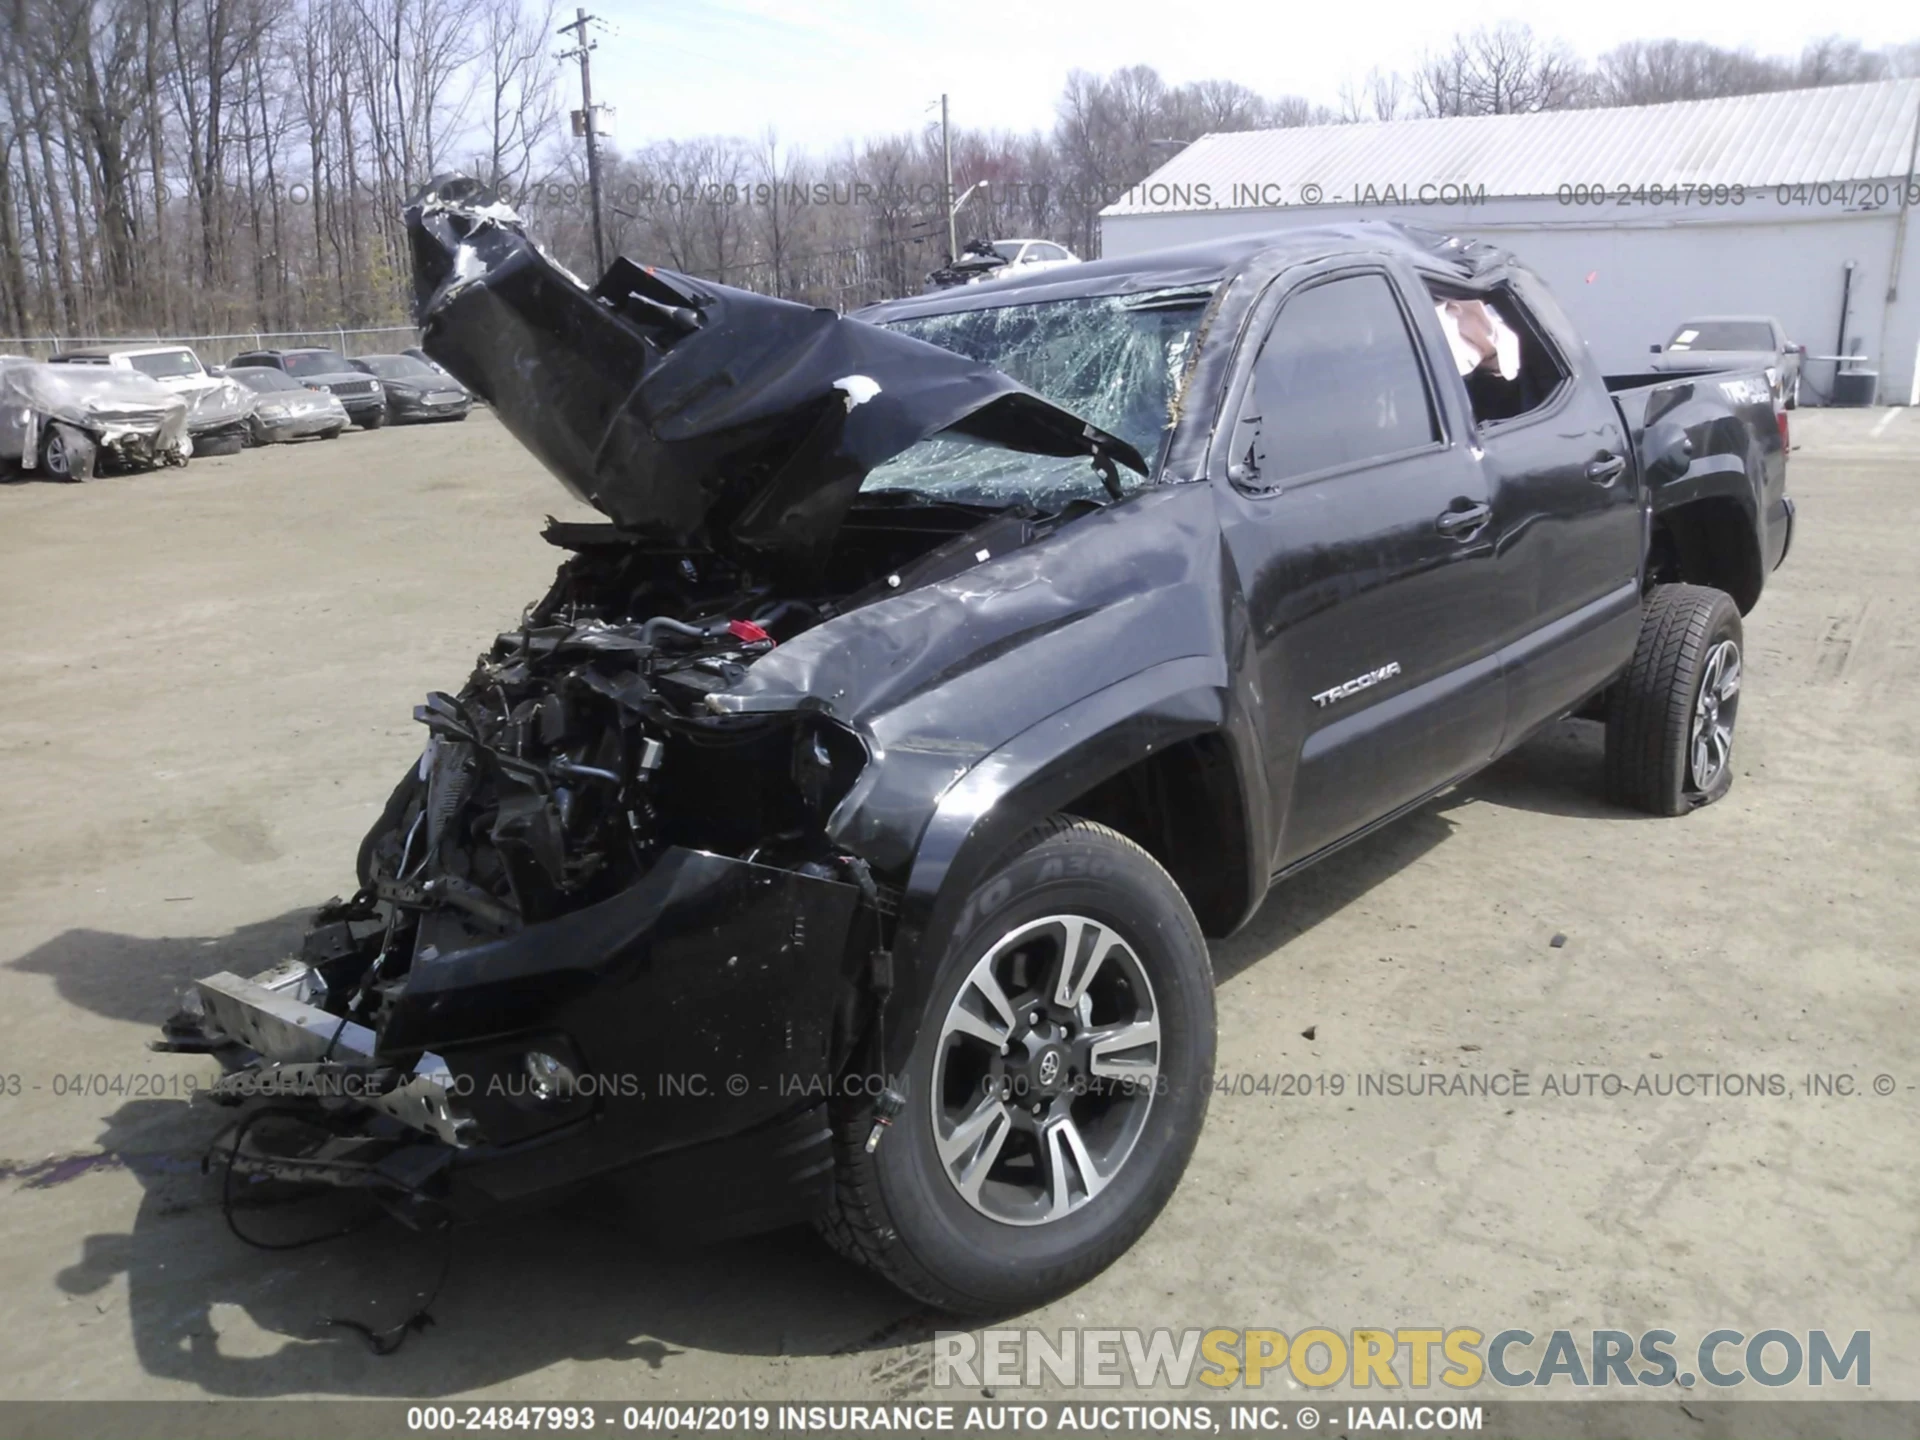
960 470
1113 359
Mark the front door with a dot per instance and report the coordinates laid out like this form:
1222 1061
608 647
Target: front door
1359 527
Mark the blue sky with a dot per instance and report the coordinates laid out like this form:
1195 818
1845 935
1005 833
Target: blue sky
823 71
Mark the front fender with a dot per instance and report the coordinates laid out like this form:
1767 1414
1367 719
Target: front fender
1040 772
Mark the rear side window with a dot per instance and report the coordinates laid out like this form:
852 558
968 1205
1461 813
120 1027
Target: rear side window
1507 364
1337 382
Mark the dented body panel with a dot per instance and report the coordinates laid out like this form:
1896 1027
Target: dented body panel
134 421
864 611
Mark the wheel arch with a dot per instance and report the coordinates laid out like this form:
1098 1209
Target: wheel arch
1706 532
1104 758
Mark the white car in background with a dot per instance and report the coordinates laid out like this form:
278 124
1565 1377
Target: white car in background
991 259
1735 342
72 422
219 410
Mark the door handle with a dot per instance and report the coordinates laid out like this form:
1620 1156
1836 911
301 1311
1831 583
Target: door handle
1463 524
1607 469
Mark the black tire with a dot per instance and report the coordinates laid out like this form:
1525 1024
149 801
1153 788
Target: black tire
899 1210
1652 760
221 445
66 454
333 434
374 421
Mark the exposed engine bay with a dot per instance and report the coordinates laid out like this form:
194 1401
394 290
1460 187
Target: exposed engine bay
583 744
615 863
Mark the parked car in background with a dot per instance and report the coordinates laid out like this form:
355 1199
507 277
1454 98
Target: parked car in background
992 259
416 353
70 422
1735 342
416 391
284 409
217 408
329 370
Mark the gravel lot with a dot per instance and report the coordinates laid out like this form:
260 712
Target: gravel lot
209 676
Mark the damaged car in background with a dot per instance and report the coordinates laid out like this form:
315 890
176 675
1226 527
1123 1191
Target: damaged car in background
838 837
218 409
71 422
284 409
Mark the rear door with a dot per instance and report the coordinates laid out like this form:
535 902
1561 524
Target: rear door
1568 511
1357 522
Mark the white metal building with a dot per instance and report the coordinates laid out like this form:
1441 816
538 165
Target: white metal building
1638 217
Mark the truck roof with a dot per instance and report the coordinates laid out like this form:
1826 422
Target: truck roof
1205 262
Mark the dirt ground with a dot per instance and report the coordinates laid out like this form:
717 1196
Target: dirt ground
209 676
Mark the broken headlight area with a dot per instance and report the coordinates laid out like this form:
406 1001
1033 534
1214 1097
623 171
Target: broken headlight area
598 917
610 924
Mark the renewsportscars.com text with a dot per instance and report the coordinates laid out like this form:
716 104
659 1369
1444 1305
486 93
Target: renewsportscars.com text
1458 1357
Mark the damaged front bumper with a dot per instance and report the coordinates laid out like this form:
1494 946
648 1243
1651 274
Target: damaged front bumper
675 1039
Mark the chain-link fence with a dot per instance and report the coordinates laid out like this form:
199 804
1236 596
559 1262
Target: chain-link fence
218 349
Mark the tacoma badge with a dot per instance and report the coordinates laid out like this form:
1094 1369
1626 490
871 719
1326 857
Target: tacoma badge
1357 684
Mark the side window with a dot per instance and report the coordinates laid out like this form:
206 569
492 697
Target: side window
1504 359
1338 381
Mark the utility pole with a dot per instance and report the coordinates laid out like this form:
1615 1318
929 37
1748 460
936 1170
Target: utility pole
583 47
946 151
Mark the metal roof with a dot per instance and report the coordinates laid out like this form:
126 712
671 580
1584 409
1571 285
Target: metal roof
1788 137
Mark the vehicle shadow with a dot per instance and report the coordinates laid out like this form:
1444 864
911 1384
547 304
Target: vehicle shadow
1560 771
580 1281
577 1282
1557 772
573 1283
1298 904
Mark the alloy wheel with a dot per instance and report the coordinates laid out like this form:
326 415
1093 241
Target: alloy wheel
1046 1068
1713 715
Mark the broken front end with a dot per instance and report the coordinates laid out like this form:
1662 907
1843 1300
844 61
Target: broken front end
595 927
68 420
607 926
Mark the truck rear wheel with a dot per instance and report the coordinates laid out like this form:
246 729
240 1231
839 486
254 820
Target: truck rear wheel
1670 718
1056 1088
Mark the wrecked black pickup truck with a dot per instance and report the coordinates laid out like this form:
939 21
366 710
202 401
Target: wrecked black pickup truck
838 837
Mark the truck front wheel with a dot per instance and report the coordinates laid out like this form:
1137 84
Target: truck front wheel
66 454
1056 1088
1670 718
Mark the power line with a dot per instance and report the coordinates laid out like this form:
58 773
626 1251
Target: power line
582 49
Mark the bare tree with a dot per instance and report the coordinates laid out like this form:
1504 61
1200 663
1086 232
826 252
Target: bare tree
1382 95
241 164
518 93
1504 69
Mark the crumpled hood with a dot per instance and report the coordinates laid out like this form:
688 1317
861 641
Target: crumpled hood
688 411
88 395
220 403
